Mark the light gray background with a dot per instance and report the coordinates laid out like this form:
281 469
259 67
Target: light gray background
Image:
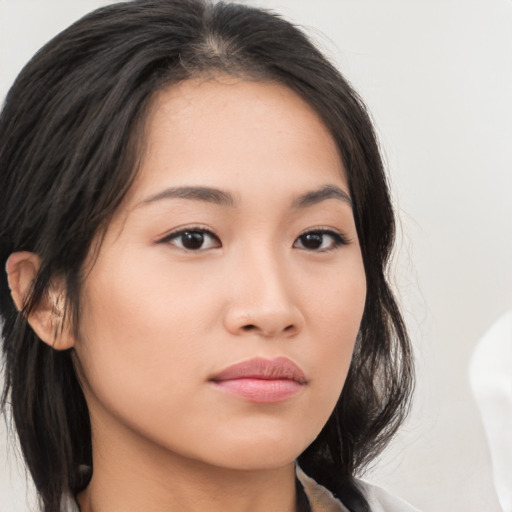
437 76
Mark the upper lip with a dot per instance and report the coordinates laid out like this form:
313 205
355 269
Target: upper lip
261 368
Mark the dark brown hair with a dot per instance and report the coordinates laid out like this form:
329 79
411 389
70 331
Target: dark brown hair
69 134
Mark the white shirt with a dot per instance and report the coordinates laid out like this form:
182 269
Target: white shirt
320 499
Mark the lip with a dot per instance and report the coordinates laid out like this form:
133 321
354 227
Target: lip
261 380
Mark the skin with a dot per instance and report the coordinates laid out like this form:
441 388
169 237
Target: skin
158 320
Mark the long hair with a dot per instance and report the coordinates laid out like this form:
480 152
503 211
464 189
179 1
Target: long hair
70 139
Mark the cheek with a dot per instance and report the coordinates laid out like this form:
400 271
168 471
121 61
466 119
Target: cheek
335 313
147 329
144 306
130 322
335 302
140 353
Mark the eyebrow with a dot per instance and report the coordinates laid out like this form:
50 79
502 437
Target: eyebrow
322 194
223 198
207 194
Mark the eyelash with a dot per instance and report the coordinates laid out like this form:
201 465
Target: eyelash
338 239
192 229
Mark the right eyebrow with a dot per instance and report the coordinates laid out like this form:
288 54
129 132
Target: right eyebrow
207 194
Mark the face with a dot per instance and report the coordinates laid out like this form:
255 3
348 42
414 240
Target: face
220 314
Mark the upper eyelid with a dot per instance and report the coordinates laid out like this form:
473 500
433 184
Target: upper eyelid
325 230
178 231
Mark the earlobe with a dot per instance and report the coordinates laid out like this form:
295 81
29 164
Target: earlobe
47 316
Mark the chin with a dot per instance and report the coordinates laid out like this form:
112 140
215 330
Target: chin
260 453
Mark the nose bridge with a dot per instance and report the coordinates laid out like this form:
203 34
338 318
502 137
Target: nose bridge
262 298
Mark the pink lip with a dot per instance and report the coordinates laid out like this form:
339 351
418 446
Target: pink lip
262 380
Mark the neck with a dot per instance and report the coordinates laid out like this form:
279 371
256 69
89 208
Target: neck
130 477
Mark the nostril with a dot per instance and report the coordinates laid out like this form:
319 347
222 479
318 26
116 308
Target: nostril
253 327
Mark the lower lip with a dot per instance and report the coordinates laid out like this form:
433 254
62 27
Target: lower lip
260 390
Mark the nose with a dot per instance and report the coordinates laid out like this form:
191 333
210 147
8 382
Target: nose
262 300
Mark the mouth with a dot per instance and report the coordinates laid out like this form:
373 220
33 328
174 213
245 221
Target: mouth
262 380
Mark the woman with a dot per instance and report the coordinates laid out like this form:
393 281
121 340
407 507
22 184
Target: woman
195 227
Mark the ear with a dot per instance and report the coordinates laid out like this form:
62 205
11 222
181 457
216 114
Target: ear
47 317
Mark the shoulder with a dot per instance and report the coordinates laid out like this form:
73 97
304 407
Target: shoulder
382 501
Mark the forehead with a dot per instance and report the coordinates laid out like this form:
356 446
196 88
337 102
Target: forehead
233 133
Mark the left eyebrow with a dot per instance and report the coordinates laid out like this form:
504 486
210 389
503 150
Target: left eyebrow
322 194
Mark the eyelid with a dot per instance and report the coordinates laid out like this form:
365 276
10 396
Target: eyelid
176 233
340 239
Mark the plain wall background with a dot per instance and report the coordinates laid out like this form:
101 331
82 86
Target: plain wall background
437 77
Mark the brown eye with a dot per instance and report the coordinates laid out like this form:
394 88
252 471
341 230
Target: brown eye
312 240
193 239
320 240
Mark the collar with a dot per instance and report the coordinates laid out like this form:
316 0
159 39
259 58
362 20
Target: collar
313 497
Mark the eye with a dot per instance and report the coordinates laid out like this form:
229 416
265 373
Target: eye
320 240
193 239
